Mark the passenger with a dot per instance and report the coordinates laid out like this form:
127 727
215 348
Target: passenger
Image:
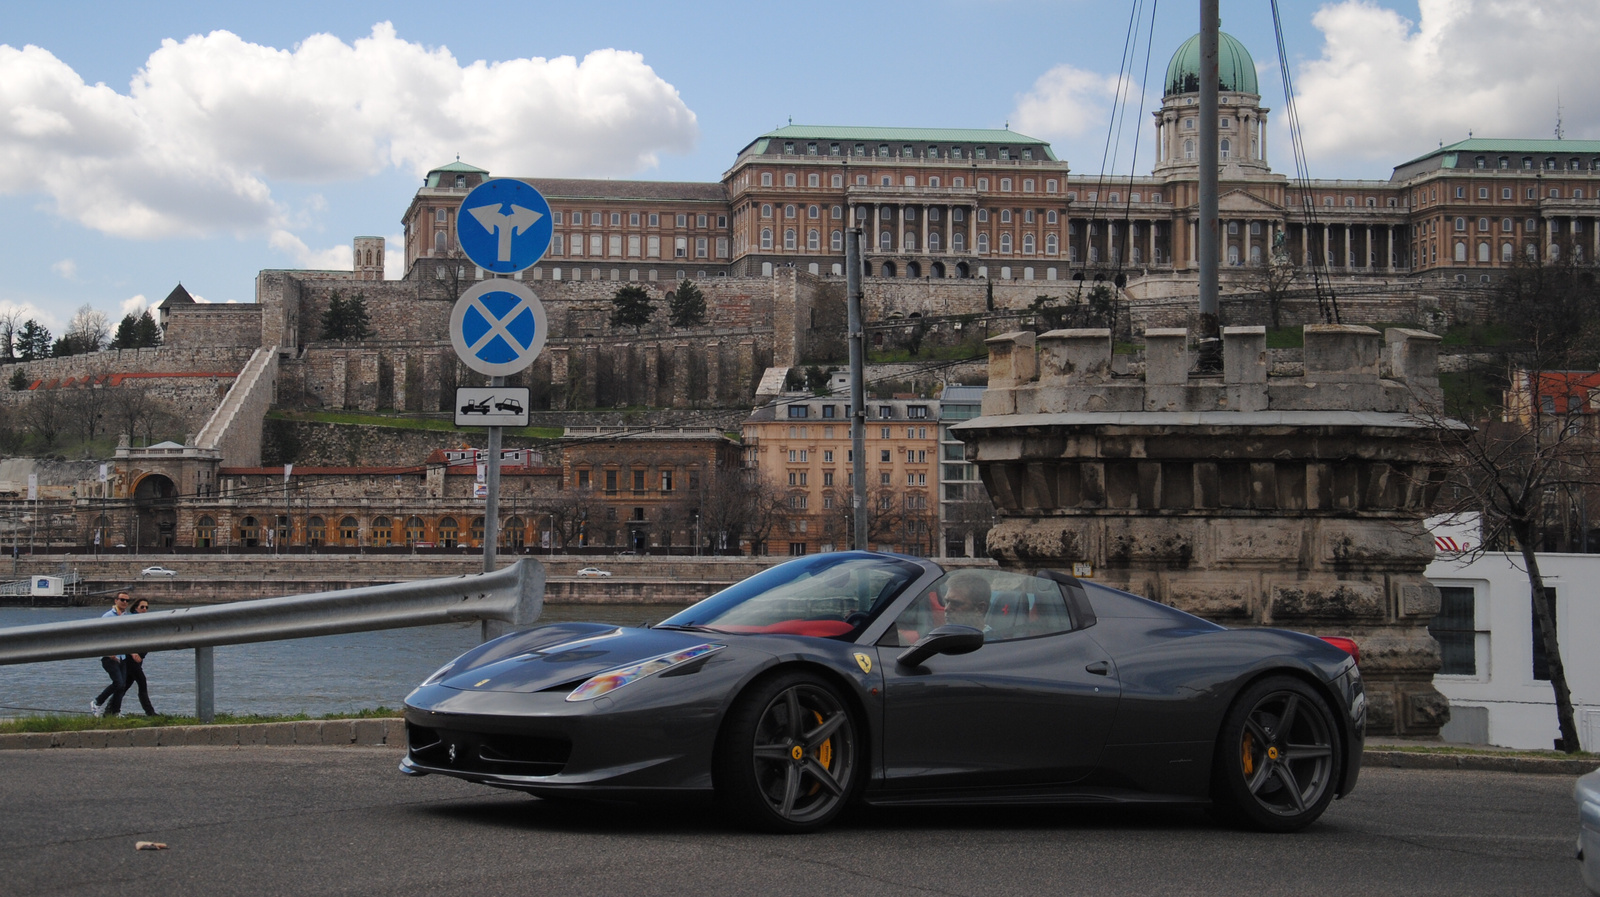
110 700
966 600
135 667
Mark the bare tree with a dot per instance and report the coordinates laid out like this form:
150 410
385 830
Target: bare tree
45 415
1273 280
90 411
11 319
571 512
1515 472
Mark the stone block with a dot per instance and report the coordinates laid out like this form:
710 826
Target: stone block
1380 709
1166 354
1171 543
307 732
218 735
1047 542
1341 352
1053 398
1326 600
369 731
1399 651
394 732
1412 357
277 734
1272 542
1212 599
1244 355
1001 400
1011 359
1419 599
1079 357
338 731
1426 709
147 737
92 738
1385 544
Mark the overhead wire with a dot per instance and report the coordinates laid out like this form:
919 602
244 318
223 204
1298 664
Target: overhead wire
1321 276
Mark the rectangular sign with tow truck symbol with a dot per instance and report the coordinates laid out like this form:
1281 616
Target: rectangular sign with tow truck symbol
490 406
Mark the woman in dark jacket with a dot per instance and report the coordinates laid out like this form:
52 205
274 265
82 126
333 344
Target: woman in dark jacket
135 668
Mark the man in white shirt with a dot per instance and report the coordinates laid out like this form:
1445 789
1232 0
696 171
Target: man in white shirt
111 698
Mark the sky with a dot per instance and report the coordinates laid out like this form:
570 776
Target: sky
144 145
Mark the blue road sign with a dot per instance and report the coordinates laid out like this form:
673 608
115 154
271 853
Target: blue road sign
504 225
498 327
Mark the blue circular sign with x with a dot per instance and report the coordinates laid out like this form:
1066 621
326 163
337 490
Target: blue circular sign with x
498 327
504 225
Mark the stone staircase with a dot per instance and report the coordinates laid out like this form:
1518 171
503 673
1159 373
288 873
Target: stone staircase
235 427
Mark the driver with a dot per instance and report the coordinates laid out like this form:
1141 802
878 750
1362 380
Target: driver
966 600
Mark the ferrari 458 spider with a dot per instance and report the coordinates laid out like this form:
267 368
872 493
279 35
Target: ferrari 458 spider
857 676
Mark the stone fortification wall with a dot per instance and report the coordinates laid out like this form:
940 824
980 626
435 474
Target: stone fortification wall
696 369
205 325
1293 501
215 358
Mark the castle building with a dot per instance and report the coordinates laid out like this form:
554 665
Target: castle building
961 203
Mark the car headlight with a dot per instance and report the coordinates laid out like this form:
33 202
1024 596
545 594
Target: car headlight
611 680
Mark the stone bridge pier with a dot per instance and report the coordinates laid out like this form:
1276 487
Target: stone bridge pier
1250 499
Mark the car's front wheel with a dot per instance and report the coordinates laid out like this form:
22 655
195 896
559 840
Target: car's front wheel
1278 757
788 758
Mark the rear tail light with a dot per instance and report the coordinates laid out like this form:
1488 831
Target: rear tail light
1347 645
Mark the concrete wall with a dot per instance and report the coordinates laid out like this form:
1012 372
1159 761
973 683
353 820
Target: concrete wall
1520 710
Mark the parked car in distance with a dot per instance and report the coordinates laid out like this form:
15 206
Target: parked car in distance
508 405
157 571
593 571
1587 794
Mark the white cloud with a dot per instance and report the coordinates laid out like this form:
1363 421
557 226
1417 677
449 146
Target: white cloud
136 306
66 268
336 258
1066 102
394 256
210 122
1388 89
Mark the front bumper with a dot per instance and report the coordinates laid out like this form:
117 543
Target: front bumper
540 742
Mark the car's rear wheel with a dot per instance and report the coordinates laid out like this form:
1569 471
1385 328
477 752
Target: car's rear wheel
1278 757
788 759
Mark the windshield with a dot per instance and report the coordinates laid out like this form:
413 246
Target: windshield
827 595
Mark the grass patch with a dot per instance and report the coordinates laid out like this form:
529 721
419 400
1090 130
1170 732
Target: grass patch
84 722
1285 338
928 353
1482 752
401 422
1477 335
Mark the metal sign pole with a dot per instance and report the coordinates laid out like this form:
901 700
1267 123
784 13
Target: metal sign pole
491 483
858 403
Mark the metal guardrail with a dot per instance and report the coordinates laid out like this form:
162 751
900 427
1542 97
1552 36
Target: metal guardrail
505 600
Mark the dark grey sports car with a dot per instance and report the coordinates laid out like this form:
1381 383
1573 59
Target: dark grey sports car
874 677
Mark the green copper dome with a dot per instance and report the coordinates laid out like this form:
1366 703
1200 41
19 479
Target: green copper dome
1235 69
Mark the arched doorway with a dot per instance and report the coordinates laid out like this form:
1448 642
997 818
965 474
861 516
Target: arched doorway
913 269
936 270
963 271
514 535
889 270
155 516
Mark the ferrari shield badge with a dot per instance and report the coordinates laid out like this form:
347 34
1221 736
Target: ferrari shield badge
864 662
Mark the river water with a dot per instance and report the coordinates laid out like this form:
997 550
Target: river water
329 674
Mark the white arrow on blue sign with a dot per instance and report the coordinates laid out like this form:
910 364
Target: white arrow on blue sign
504 226
498 327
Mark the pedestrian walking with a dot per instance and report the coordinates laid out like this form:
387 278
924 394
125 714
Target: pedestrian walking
110 700
135 667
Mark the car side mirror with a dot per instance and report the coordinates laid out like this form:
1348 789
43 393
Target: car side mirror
949 639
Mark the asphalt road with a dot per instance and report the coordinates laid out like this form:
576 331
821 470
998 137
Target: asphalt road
305 821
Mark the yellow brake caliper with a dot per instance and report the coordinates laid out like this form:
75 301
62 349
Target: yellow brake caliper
1248 755
824 754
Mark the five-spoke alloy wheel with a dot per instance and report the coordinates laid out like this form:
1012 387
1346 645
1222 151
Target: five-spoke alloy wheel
788 757
1278 757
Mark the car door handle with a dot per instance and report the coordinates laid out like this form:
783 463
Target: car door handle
1099 668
